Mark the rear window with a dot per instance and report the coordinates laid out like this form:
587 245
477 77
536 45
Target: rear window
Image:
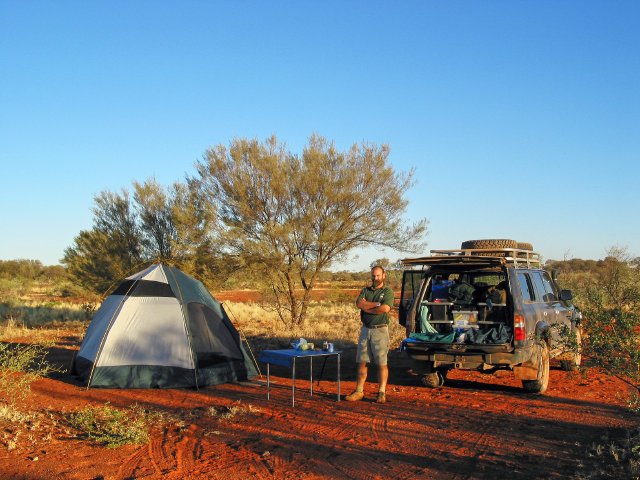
545 291
490 280
526 288
550 294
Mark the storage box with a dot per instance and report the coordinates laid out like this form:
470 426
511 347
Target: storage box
465 319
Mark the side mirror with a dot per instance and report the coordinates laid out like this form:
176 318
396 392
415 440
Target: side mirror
566 295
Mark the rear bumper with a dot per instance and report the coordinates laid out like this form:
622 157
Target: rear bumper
465 356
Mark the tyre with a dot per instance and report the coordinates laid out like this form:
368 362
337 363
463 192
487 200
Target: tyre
525 246
540 384
433 380
574 363
489 243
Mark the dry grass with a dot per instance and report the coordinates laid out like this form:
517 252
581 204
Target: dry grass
338 323
21 429
34 313
230 411
46 335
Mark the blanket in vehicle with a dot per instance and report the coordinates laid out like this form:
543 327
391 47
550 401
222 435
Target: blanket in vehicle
495 335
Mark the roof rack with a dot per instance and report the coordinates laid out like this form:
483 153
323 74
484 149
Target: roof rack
515 257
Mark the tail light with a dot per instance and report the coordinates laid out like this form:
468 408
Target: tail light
519 331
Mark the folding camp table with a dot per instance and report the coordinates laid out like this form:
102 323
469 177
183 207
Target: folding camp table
287 358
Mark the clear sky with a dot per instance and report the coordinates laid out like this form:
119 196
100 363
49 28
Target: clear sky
521 119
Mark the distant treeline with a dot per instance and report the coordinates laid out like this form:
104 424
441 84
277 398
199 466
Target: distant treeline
35 270
577 265
30 270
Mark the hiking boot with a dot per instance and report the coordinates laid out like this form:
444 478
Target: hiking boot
382 397
354 397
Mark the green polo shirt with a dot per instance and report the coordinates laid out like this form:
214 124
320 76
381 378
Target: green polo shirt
383 295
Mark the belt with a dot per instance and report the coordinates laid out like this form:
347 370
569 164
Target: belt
376 326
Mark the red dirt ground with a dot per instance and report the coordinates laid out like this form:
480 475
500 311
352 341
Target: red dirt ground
475 427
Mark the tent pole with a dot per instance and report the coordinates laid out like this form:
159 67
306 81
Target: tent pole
186 329
106 330
247 342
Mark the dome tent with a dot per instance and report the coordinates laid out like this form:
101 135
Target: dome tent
161 328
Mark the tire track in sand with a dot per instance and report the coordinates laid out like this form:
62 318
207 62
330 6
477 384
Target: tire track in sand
171 454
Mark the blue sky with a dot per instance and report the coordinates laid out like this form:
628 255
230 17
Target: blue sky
521 119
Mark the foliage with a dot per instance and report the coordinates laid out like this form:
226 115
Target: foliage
289 217
612 325
156 225
615 458
26 269
107 253
110 426
20 366
19 277
14 288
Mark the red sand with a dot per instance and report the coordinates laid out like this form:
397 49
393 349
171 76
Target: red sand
475 427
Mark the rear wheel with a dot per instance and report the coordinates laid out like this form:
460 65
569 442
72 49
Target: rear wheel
433 380
574 363
540 384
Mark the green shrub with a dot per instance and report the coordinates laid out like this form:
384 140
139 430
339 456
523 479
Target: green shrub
110 426
12 288
20 366
612 317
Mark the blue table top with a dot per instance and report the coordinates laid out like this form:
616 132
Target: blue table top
285 357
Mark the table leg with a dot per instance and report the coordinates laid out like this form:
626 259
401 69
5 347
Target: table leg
338 377
311 374
293 384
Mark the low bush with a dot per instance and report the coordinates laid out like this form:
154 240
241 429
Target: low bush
110 426
20 366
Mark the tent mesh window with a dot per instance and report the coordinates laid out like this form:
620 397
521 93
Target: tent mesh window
213 337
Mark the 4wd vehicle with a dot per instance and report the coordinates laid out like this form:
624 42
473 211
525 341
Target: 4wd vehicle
487 306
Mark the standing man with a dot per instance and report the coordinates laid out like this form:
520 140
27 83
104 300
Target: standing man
374 303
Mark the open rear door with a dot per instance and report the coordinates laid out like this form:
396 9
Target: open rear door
410 287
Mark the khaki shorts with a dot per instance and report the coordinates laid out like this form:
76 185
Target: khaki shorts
373 345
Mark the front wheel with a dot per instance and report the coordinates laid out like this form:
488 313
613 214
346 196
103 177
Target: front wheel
540 384
574 363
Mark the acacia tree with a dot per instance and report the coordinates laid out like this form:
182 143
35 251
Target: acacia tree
105 254
291 216
157 231
171 225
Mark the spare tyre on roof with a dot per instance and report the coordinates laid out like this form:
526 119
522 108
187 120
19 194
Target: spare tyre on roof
489 243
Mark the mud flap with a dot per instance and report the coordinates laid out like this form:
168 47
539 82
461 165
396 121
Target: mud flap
529 369
525 372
